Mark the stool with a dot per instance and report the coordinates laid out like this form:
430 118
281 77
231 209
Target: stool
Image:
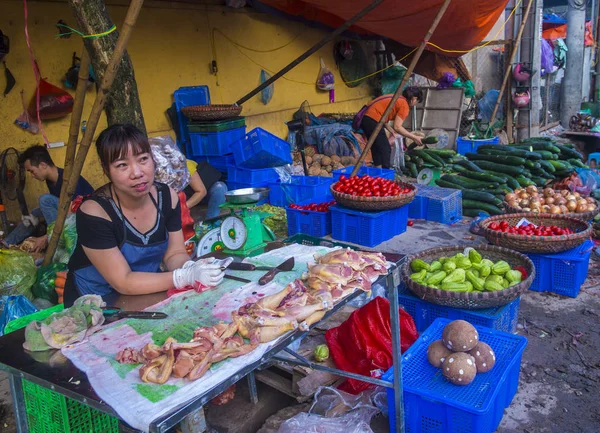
594 157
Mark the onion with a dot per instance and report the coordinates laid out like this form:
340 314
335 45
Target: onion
523 195
571 197
571 205
524 203
535 210
590 200
518 191
510 197
591 207
563 209
543 201
531 189
546 208
561 201
582 208
514 204
526 209
564 192
548 192
576 194
550 200
555 210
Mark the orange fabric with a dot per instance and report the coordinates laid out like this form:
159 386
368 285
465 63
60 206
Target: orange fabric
187 222
560 32
464 25
378 106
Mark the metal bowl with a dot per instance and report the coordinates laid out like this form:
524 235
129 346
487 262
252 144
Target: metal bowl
247 195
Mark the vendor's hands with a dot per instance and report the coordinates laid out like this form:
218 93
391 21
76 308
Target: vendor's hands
204 271
40 244
417 140
30 220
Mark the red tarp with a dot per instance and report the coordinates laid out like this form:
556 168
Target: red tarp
465 24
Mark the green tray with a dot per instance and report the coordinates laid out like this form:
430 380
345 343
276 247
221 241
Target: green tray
22 322
217 126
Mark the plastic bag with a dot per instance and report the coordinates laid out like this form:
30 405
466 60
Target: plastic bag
397 159
363 343
25 121
67 241
334 411
44 286
17 273
14 308
54 102
486 105
326 79
187 222
266 94
171 164
590 180
547 62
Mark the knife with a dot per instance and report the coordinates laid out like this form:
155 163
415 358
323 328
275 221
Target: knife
118 314
286 266
240 266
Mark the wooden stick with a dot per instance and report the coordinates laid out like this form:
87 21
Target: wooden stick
510 60
111 70
407 75
78 103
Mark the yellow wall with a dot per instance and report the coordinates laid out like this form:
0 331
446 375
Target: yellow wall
170 47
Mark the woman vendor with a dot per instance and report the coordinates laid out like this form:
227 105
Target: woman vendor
381 149
131 225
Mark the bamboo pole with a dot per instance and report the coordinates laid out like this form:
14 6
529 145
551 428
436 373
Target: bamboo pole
510 60
111 70
78 103
411 67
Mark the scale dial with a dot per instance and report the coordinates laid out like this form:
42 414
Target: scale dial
210 242
233 233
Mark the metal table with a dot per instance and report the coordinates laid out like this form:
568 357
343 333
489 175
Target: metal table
54 371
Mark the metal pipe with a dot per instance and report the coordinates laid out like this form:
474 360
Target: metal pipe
393 280
331 36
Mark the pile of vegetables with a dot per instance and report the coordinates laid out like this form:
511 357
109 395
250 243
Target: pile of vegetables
322 165
277 221
369 186
315 207
527 229
549 201
495 170
466 273
418 159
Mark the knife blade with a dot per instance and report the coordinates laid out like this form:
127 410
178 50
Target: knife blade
240 266
233 277
286 266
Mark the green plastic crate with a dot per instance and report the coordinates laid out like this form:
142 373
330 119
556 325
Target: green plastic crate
51 412
217 126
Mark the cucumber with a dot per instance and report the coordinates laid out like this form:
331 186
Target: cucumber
568 152
524 181
560 165
469 165
495 147
510 180
413 169
502 189
444 153
542 173
436 157
548 156
500 159
512 170
549 168
446 184
427 158
468 183
418 162
577 163
480 205
517 152
429 140
539 181
483 176
540 146
529 164
473 213
471 194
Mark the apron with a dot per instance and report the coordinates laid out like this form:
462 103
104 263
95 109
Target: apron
141 258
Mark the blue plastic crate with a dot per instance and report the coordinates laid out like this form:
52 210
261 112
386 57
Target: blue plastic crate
214 143
250 175
300 188
503 318
309 222
219 162
261 149
432 203
465 145
184 97
367 228
432 404
562 273
386 173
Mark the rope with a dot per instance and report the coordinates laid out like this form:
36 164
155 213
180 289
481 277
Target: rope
97 35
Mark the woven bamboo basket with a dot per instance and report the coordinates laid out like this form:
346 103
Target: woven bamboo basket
211 112
470 300
584 216
375 203
537 244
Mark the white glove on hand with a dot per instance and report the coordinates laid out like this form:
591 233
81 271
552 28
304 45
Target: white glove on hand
30 220
204 271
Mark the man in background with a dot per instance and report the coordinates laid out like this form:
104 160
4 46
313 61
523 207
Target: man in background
37 161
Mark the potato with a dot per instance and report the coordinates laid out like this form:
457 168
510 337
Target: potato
325 161
317 157
328 168
337 166
310 151
309 160
314 171
345 160
323 173
335 158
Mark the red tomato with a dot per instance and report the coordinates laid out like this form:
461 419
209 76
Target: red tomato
494 226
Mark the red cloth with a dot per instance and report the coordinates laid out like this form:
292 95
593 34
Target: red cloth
187 222
560 32
363 343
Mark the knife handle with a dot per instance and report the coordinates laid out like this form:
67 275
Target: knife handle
268 277
239 266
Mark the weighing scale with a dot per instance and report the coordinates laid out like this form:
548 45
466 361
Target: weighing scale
242 232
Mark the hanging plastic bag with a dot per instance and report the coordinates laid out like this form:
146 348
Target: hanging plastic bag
15 307
326 79
547 61
363 343
67 241
54 102
397 160
266 94
17 273
187 222
45 284
171 164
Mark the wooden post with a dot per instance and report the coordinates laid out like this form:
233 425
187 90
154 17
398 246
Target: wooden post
411 67
78 103
130 19
510 60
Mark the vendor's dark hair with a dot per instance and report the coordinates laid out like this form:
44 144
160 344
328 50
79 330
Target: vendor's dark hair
413 92
36 155
113 143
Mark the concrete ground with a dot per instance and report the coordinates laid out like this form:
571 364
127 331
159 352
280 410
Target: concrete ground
560 370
